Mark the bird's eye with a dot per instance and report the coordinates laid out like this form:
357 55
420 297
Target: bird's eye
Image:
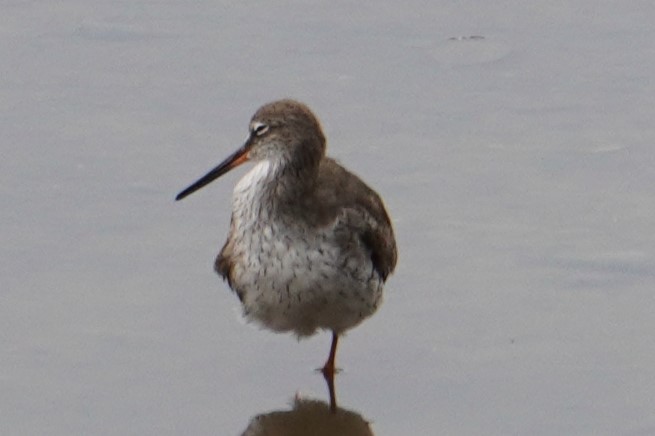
259 129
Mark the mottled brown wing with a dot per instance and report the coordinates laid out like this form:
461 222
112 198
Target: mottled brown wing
381 243
224 262
357 206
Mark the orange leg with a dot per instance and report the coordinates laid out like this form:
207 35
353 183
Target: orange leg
328 372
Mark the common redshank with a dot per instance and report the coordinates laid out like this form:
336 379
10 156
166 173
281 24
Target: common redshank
310 244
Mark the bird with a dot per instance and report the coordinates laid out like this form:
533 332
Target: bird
310 245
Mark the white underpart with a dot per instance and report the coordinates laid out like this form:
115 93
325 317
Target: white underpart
253 178
293 277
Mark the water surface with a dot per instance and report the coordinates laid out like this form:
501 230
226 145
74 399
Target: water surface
512 144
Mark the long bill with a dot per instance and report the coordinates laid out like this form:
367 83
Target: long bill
234 160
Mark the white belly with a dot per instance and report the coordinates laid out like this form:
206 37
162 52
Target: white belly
292 277
306 285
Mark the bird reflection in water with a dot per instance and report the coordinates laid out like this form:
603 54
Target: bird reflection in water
309 417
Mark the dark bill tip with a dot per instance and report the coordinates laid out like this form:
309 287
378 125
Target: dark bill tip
237 158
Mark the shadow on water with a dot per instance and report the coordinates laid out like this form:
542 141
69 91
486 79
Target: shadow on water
309 417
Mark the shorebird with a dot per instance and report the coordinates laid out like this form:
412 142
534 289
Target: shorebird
310 245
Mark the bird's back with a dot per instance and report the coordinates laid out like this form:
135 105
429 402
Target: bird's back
343 197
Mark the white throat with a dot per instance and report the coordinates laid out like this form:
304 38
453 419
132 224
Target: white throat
262 172
253 194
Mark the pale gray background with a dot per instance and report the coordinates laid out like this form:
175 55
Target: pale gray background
518 168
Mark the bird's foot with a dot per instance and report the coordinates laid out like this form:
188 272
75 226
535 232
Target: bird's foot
326 371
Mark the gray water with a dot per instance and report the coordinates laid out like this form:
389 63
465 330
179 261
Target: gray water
513 145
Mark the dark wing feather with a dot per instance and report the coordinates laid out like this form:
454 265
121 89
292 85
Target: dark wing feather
224 263
344 196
